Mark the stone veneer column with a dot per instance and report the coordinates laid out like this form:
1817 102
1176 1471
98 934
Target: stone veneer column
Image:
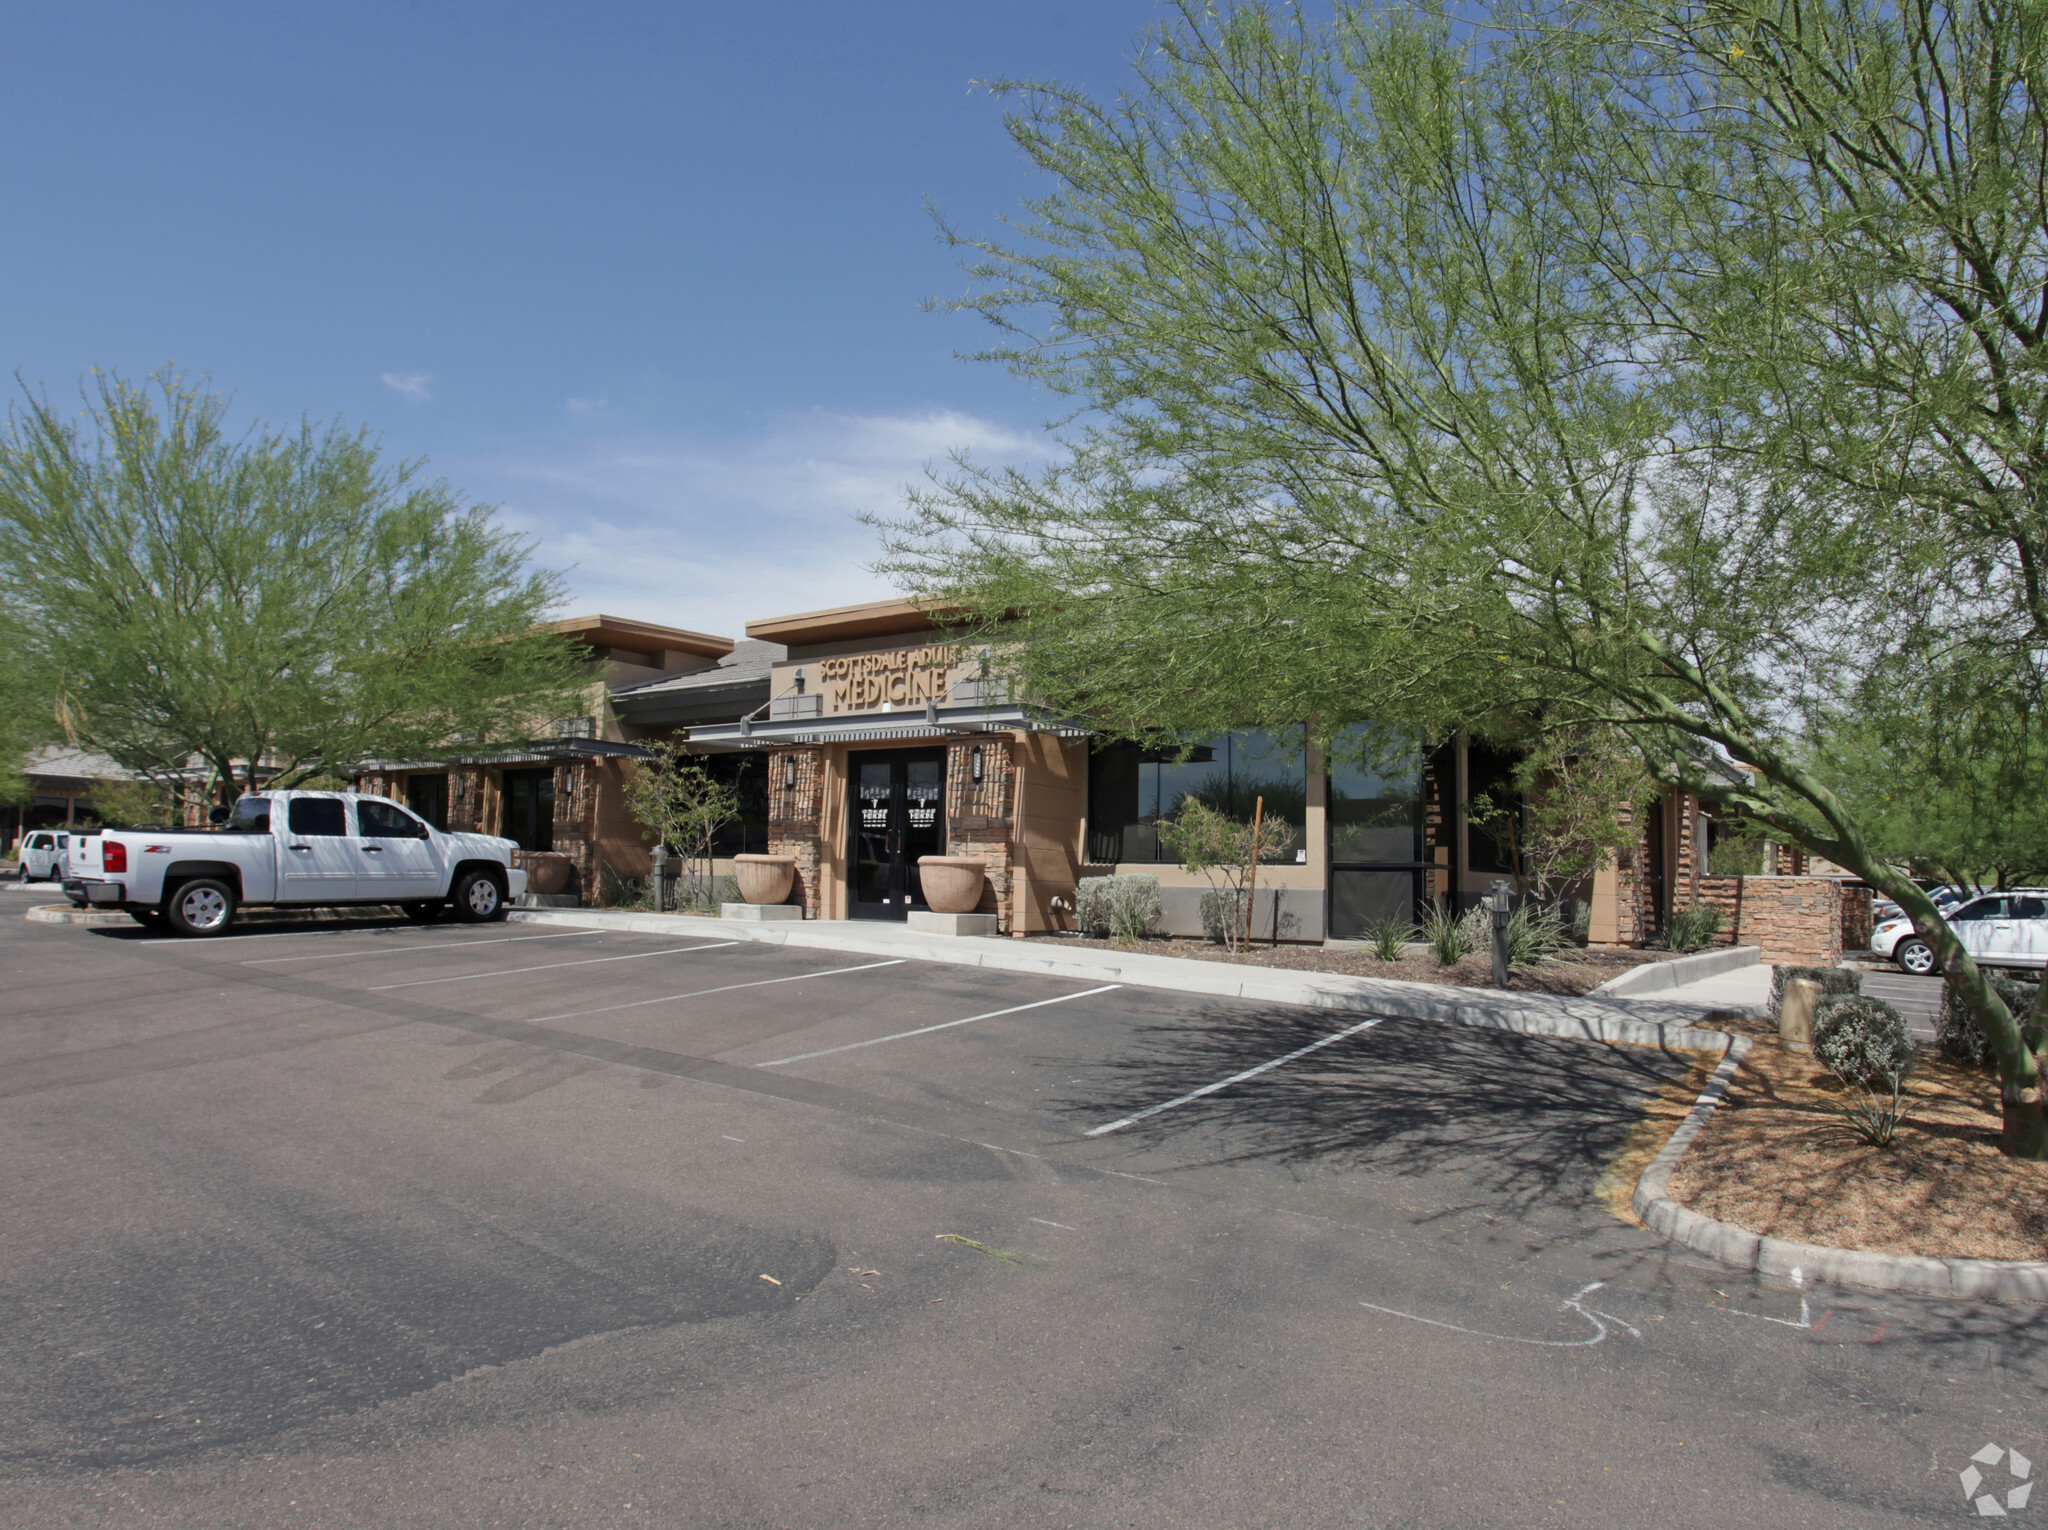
466 799
979 823
796 819
574 828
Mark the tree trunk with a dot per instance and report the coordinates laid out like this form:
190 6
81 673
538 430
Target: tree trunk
2025 1123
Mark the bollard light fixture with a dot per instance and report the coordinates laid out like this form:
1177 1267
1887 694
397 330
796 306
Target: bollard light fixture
974 764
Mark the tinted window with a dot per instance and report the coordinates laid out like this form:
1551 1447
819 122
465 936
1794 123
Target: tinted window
251 816
1375 801
1983 908
2029 908
318 816
1131 789
380 820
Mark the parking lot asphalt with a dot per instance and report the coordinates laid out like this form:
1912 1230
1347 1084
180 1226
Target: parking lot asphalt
365 1223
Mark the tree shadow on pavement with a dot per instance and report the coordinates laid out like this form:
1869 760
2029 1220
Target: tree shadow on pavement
1517 1121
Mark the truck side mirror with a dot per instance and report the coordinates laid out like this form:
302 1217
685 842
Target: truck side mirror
219 814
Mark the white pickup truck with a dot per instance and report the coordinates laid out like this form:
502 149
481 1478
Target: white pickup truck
293 849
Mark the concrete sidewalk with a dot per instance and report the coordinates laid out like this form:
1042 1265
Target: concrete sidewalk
1670 1019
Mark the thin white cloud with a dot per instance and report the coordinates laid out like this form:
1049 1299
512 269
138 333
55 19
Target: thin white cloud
588 407
710 534
412 385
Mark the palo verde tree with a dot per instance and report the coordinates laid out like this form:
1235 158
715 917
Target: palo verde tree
1659 368
274 602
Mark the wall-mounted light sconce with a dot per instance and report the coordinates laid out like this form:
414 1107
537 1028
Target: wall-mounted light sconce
974 764
798 679
789 771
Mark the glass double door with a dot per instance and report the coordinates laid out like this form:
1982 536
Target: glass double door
897 813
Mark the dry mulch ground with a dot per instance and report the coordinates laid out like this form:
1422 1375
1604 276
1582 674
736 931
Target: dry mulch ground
1777 1158
1572 972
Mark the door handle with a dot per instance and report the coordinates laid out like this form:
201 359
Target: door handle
299 847
373 849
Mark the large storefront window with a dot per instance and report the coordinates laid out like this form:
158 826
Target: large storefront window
1131 789
747 775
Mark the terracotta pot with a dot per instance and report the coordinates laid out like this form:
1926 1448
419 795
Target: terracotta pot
764 878
952 883
547 871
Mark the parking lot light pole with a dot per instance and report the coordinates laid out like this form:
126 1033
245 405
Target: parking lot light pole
1500 901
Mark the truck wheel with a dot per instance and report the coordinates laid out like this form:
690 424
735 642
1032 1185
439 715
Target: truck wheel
424 913
478 898
202 906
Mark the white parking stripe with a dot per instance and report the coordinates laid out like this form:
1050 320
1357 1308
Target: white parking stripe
578 1014
944 1025
588 961
1235 1078
446 945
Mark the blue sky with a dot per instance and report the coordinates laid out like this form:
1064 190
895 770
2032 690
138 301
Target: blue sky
649 276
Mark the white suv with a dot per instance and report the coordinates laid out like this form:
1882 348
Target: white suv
2008 929
42 855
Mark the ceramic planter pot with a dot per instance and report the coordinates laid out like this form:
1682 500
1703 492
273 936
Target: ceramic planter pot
764 878
952 883
547 871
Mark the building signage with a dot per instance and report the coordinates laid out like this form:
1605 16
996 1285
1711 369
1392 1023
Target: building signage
881 682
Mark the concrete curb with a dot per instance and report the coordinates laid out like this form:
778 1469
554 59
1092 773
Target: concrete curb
1585 1019
63 913
1801 1264
1655 977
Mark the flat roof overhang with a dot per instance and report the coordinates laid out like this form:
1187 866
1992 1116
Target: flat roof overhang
908 723
640 637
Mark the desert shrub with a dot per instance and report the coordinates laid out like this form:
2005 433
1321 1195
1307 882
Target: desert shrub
1694 927
1223 913
1388 936
1861 1041
1121 908
1535 935
615 891
1865 1044
1446 934
1956 1033
1832 980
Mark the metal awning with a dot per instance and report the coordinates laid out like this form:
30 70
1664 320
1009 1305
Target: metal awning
907 723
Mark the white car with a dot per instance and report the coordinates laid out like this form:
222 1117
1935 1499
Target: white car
42 855
2008 929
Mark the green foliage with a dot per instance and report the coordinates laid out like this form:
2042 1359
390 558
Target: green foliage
1446 933
617 891
1576 794
1388 936
282 596
1535 934
1693 927
1123 908
681 805
1830 981
1864 1043
1957 1034
121 804
1663 369
1218 846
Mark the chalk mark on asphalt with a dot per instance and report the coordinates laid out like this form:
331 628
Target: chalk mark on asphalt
1573 1303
